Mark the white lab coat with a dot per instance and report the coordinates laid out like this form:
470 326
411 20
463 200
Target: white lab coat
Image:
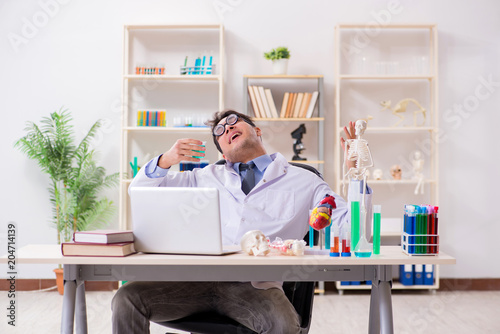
278 205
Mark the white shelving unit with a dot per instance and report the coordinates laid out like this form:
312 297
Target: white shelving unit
393 63
282 83
197 96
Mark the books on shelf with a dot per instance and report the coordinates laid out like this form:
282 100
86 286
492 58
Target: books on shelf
312 104
151 118
294 105
270 101
284 104
103 236
94 249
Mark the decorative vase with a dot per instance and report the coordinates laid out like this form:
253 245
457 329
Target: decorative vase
280 66
60 280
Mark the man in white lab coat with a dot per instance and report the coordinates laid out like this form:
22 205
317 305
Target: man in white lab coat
278 205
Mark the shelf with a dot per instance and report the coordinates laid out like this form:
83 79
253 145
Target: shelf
386 77
160 26
394 182
146 45
395 286
319 107
393 129
312 119
398 181
166 77
166 129
388 26
400 63
283 76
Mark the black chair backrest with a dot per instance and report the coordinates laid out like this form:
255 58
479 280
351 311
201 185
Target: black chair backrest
296 164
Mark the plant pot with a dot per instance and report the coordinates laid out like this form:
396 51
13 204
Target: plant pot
280 66
60 280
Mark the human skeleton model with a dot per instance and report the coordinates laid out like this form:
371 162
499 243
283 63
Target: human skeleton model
400 108
357 150
418 166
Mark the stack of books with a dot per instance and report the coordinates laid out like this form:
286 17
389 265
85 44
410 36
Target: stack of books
151 118
295 105
100 243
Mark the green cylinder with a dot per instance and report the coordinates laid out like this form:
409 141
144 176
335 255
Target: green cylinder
354 224
376 228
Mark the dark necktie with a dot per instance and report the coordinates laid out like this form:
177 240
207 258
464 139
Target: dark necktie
248 181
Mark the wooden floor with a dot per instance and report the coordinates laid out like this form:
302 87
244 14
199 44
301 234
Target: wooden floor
414 312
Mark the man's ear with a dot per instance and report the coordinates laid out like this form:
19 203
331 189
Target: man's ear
258 131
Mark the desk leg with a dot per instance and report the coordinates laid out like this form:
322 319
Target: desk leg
68 311
374 319
81 308
385 302
380 320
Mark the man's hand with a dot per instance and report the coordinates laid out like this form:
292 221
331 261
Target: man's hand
183 150
350 134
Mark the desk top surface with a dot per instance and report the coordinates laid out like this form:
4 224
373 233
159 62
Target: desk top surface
389 255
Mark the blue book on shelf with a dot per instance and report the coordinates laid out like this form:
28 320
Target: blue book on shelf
428 274
406 274
419 274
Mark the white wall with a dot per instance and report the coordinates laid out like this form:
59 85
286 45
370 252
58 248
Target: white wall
73 59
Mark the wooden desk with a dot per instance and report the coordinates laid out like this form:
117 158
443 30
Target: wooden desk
236 267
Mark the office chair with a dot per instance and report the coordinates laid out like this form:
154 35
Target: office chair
300 294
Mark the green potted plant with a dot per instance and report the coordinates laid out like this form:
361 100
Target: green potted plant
75 177
279 57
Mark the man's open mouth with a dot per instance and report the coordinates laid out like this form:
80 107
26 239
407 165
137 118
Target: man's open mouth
234 136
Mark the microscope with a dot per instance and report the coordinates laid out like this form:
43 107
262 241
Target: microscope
298 147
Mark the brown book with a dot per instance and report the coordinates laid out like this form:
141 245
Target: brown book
103 236
284 104
298 103
305 105
291 105
253 100
93 249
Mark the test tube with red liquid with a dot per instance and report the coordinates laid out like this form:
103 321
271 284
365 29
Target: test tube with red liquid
346 240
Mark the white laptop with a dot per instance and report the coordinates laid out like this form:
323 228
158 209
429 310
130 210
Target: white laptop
177 220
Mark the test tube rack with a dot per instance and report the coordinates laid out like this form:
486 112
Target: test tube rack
420 244
197 70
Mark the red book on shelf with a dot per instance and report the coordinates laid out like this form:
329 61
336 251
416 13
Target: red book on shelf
93 249
103 236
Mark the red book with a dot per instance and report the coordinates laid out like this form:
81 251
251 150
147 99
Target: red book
103 236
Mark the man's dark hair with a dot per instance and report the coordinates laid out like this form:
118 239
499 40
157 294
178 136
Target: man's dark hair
218 116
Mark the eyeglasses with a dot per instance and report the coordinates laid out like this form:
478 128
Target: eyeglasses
220 128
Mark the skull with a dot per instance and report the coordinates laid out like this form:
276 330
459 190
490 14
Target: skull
360 127
396 172
255 243
377 174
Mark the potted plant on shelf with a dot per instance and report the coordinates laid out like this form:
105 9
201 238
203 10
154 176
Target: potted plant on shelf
75 178
279 57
